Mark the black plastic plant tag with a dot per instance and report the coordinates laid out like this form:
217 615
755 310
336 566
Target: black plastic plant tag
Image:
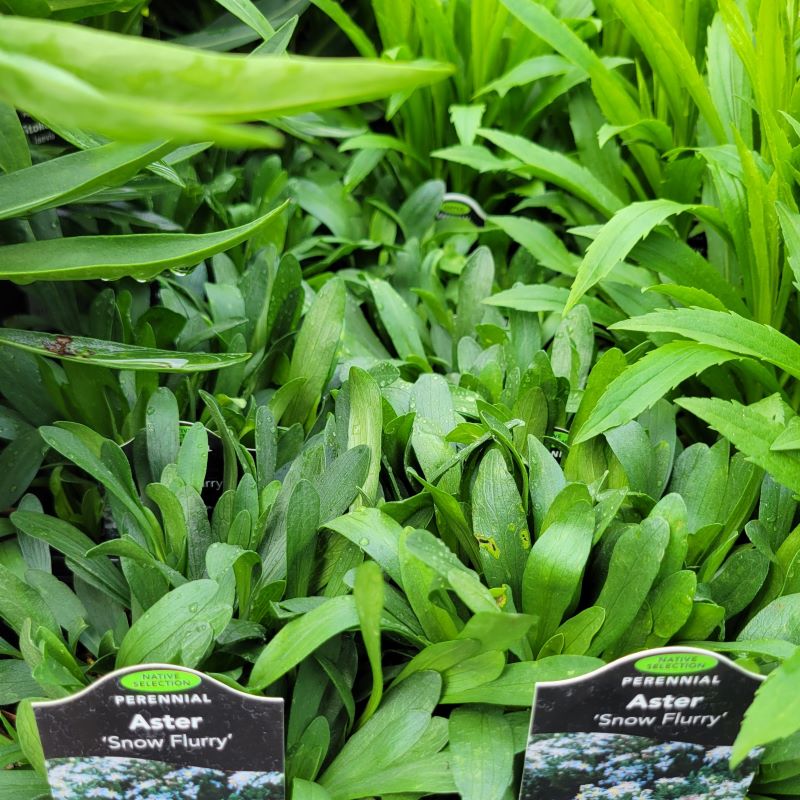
36 132
158 732
657 725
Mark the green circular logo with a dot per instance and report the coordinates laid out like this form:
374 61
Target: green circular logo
160 680
676 663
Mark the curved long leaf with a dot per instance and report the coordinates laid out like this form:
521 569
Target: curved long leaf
616 239
544 297
68 178
301 637
134 88
116 355
644 383
555 167
752 429
727 331
141 256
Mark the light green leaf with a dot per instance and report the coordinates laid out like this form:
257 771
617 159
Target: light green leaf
556 168
779 620
315 351
752 429
616 239
365 425
515 686
368 593
248 13
376 533
68 540
645 382
398 319
16 682
45 70
482 747
14 152
398 725
775 713
727 331
547 298
19 602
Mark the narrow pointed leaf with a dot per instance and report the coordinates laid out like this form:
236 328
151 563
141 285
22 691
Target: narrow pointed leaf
116 355
141 256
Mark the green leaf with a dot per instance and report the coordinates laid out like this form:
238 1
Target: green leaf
671 61
368 592
500 523
556 168
125 92
365 424
22 784
14 152
162 431
174 629
543 297
301 637
353 32
555 569
515 686
645 382
376 533
635 563
616 239
399 320
774 714
482 747
19 464
439 559
578 631
727 331
752 429
306 790
68 178
546 482
474 286
100 457
193 456
97 572
302 522
141 256
116 355
16 682
779 620
250 15
398 725
315 351
19 602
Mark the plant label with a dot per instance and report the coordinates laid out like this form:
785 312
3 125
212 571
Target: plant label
159 732
657 725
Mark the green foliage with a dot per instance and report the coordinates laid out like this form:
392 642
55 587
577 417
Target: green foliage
320 424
